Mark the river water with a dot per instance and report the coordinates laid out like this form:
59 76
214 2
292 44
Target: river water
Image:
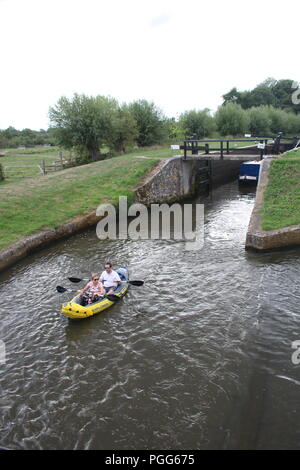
200 357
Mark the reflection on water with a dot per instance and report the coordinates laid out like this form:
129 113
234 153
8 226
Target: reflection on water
199 357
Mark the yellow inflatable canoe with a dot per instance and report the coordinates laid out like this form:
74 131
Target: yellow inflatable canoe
73 309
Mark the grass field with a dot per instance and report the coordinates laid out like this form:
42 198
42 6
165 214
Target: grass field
31 205
281 206
28 160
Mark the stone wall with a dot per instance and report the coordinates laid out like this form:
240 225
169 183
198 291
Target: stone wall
176 179
172 180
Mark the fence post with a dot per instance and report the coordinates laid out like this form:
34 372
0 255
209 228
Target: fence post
60 154
1 173
43 167
222 150
261 150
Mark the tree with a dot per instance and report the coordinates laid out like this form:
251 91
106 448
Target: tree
125 130
10 133
150 122
259 120
233 96
282 91
271 92
231 119
199 123
84 123
173 129
262 95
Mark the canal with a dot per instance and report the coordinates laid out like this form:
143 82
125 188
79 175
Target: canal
200 357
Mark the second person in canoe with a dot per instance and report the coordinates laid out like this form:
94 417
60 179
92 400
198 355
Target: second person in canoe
110 279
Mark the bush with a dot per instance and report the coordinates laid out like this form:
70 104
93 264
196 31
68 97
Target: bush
150 122
259 120
199 123
231 119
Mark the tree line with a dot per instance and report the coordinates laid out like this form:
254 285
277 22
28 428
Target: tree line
276 93
12 138
94 126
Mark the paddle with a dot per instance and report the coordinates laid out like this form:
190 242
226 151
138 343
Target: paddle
133 283
112 297
61 289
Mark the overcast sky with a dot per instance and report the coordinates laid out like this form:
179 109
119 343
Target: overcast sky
181 54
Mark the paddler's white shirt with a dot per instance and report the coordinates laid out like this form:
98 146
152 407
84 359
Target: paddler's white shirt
108 279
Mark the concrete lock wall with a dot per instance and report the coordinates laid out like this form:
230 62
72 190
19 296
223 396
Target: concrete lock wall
177 179
170 181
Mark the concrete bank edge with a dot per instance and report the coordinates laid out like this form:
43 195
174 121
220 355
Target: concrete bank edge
258 239
27 245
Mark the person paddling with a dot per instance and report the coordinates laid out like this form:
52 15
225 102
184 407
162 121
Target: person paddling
93 290
110 279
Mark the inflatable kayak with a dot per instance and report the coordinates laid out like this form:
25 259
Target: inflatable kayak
74 309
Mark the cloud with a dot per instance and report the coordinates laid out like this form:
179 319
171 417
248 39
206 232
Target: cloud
159 20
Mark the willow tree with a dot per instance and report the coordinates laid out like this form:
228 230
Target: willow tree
197 122
150 122
231 119
84 123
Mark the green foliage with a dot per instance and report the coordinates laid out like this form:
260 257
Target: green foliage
84 123
271 92
231 119
125 131
150 122
259 121
199 123
90 126
12 138
173 130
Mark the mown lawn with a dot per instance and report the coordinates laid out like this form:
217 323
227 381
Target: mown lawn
28 161
32 205
281 207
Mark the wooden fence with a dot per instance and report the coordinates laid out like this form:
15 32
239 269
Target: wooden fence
30 171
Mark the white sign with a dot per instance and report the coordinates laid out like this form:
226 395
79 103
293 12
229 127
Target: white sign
247 135
175 147
260 146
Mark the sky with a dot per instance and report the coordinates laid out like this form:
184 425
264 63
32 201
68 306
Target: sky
180 54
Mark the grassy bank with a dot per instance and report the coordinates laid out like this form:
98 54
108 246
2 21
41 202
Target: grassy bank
24 163
282 195
45 202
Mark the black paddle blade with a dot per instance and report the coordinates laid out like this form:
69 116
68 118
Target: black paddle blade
136 283
61 289
113 298
74 279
